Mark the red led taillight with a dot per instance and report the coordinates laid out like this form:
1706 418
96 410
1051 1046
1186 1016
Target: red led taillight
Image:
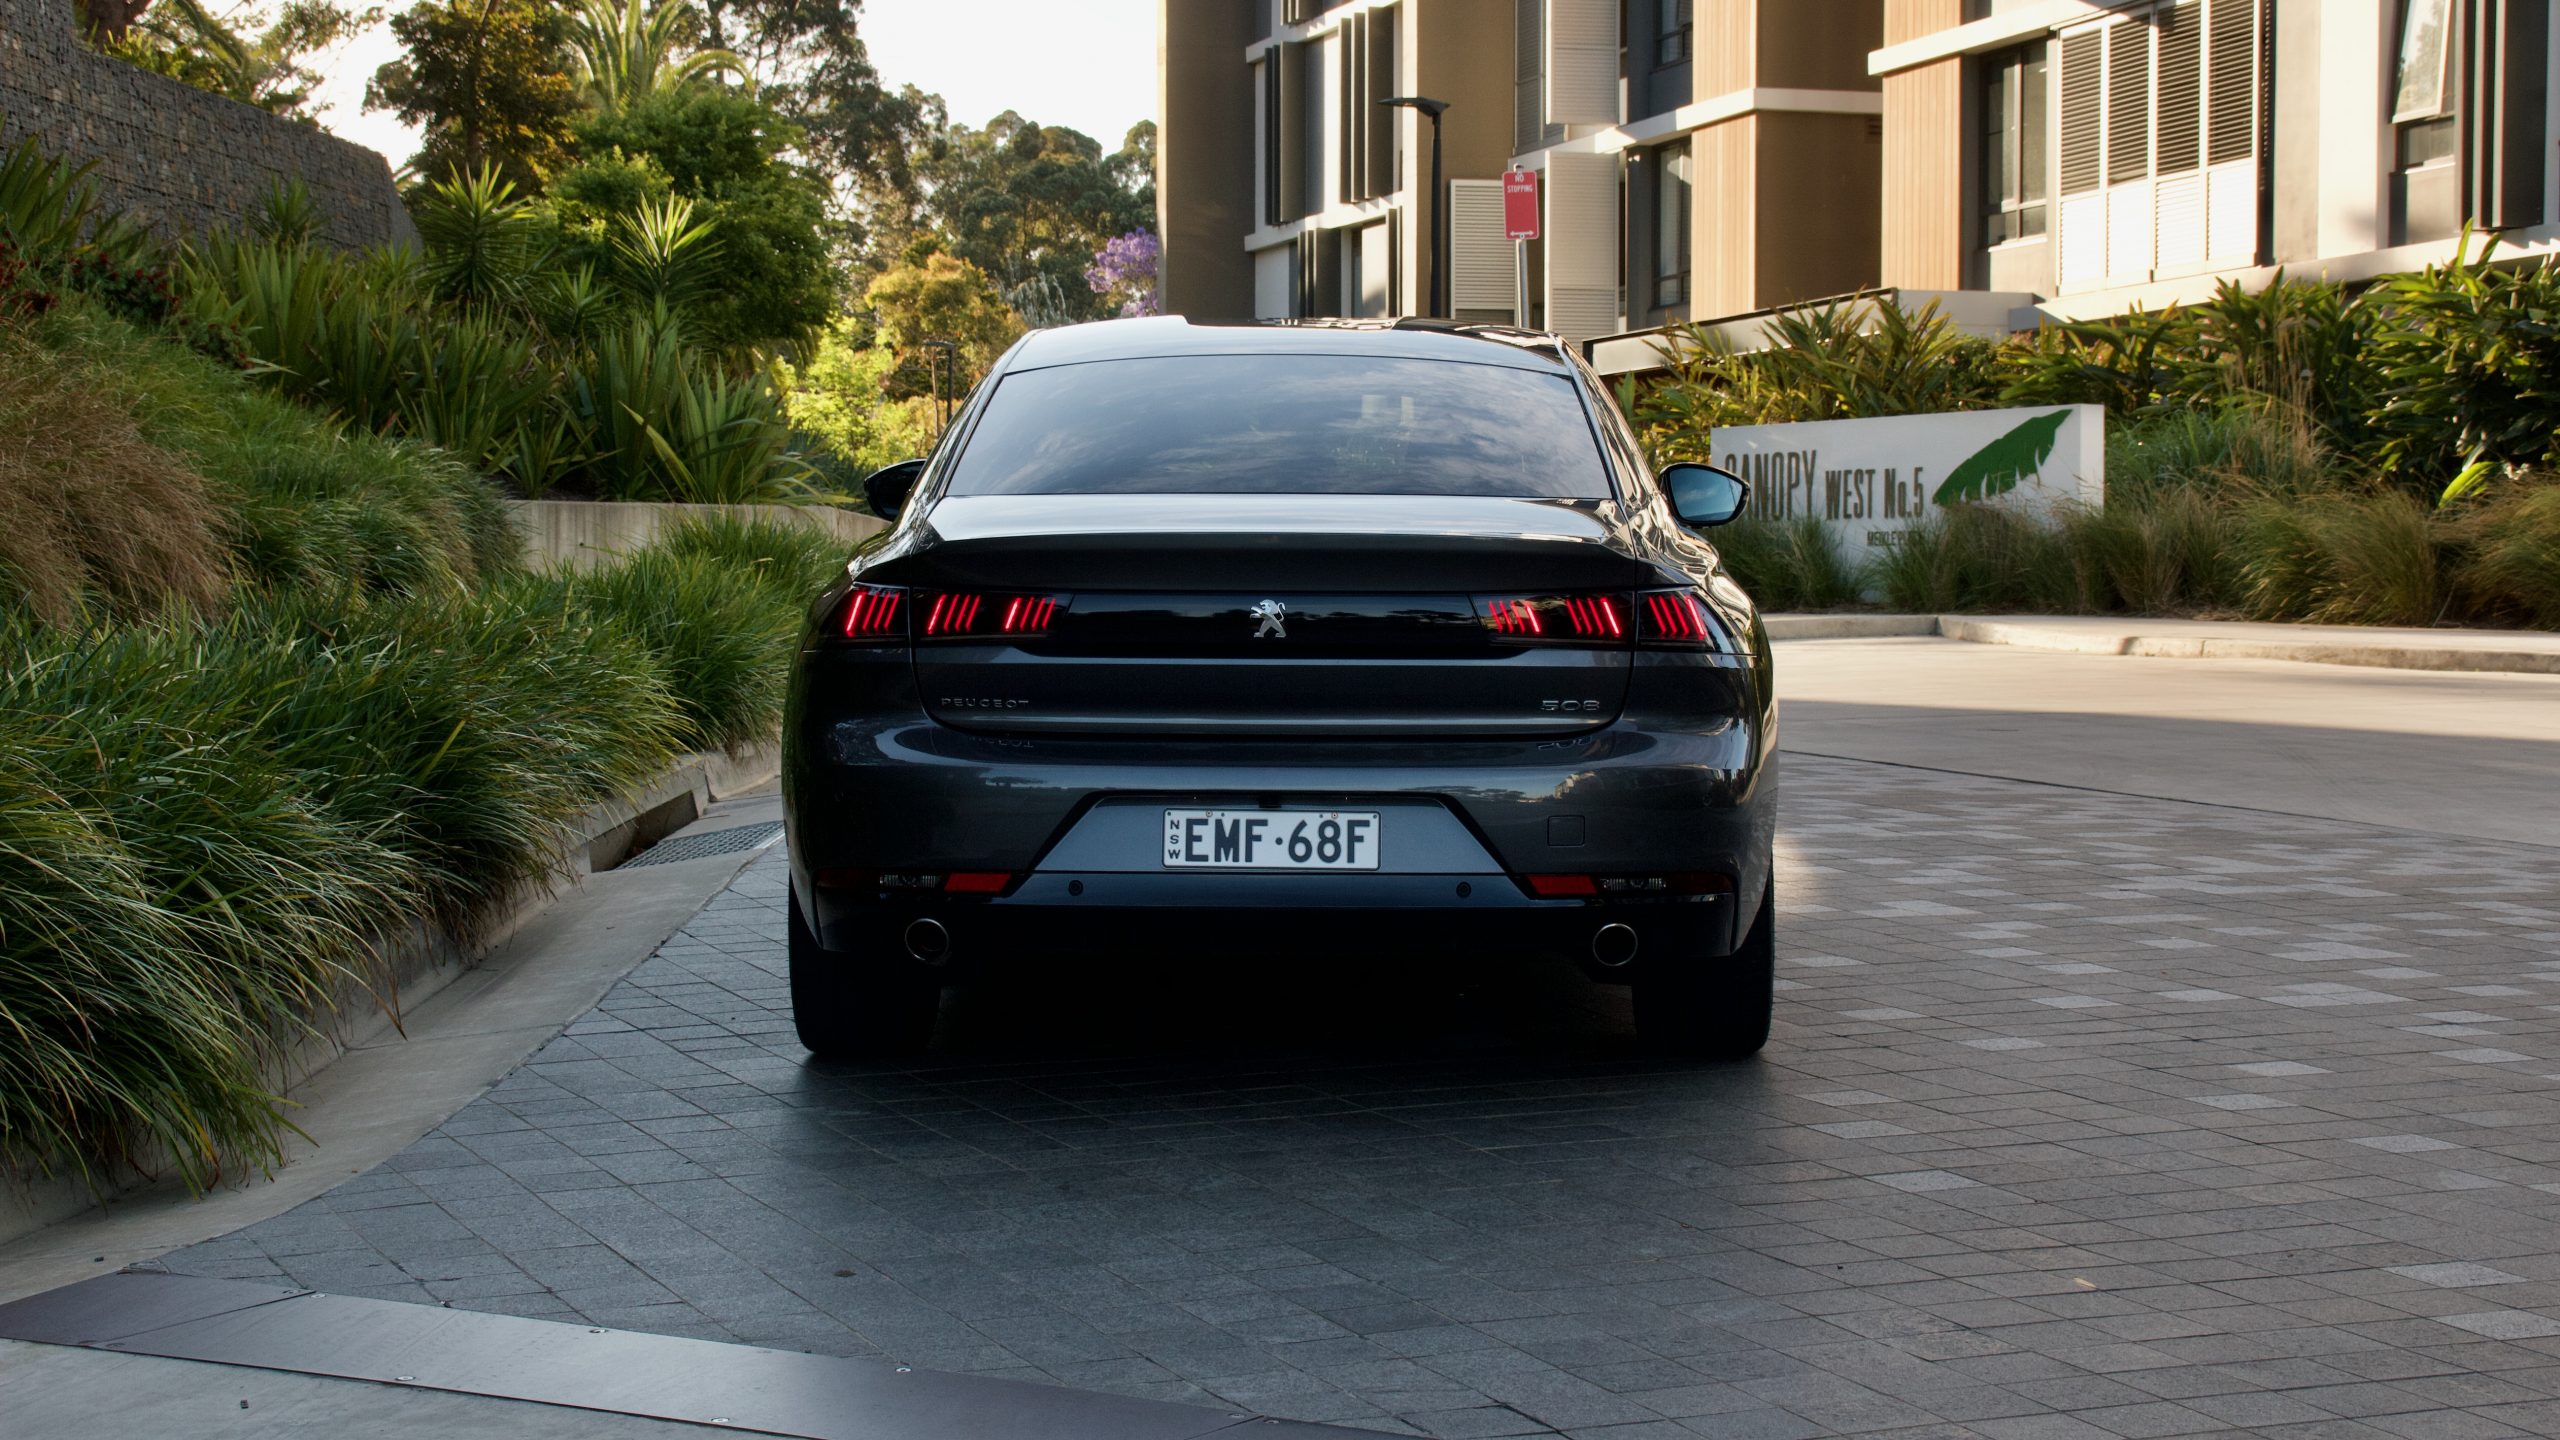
987 615
875 612
1597 619
1679 618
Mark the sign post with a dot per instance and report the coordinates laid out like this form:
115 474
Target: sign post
1520 226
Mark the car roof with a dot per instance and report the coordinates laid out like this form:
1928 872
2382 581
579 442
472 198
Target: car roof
1166 336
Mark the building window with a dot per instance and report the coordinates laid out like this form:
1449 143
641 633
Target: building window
1670 226
1671 31
2422 97
2014 120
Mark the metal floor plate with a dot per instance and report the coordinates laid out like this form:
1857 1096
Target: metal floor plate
705 843
702 1382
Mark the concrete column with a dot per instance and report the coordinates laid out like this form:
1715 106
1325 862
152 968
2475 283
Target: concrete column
2351 92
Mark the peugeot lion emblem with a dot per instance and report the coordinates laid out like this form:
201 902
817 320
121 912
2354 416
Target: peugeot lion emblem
1270 611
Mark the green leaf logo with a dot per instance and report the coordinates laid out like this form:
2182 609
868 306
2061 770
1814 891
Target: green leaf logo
1997 468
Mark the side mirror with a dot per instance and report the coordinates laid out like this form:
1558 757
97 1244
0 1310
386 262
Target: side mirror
1704 496
886 489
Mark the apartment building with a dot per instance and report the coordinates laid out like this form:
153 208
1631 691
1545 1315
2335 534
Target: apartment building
2086 157
1695 157
2016 161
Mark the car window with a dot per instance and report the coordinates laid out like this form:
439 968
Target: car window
1283 424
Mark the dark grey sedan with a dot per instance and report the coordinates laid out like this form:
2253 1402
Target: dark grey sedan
1220 639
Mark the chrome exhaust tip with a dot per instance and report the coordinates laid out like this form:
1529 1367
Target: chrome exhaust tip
928 942
1614 945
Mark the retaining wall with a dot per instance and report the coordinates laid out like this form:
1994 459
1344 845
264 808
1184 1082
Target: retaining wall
171 156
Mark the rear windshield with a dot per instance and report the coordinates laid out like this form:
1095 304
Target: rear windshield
1283 424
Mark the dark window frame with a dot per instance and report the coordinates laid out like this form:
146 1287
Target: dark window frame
2016 141
1675 39
1672 285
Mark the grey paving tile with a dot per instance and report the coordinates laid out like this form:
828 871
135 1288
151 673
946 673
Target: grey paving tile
2084 1116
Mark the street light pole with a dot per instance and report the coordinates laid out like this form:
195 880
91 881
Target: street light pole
1439 202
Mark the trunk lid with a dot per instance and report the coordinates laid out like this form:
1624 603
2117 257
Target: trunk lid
1270 615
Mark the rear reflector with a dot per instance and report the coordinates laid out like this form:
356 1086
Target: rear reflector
1557 887
1678 618
875 612
1588 618
977 882
987 615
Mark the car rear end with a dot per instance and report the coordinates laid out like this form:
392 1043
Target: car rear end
1104 692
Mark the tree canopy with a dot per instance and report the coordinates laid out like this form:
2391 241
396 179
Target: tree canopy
1031 205
488 81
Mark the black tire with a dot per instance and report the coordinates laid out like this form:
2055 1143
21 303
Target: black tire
848 1006
1713 1007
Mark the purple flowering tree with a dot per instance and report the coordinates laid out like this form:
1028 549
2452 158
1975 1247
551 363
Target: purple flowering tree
1125 269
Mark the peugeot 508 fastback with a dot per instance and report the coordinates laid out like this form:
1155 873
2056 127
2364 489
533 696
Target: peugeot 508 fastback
1358 635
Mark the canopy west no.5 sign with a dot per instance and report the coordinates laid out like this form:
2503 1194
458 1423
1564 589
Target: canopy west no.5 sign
1870 480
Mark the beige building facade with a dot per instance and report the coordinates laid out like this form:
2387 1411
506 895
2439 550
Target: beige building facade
2088 157
1695 157
2015 161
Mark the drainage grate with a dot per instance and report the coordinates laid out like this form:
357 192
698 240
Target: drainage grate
709 842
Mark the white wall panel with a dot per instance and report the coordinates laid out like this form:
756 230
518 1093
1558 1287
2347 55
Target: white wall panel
1480 260
1582 244
1582 62
1275 282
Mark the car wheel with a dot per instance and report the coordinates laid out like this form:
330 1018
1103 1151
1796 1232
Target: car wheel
1715 1007
850 1007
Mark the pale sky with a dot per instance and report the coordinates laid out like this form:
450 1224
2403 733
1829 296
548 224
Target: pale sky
1086 64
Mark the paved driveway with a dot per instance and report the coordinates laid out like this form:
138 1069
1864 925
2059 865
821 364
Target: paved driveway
2085 1115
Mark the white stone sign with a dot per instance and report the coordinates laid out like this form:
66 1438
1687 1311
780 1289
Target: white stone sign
1869 480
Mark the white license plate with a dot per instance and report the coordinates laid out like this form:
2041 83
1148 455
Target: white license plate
1272 839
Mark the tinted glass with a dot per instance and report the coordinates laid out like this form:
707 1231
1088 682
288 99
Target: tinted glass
1283 424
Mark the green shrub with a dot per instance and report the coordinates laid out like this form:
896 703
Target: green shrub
790 563
1789 564
720 641
93 514
2171 553
2342 558
2469 361
172 903
2509 570
1977 558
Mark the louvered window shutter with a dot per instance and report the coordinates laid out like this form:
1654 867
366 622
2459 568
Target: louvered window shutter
2181 107
1581 234
2081 221
2178 205
2231 132
1582 62
2234 86
2128 103
1482 284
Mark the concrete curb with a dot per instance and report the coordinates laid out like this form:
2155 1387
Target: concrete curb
2027 635
422 961
1848 626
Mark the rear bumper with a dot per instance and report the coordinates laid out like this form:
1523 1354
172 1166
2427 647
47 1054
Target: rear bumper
1405 917
1685 783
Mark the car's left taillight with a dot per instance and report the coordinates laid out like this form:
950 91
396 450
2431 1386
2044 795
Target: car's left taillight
873 614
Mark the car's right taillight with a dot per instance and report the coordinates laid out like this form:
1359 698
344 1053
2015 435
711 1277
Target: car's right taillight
873 613
1678 620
